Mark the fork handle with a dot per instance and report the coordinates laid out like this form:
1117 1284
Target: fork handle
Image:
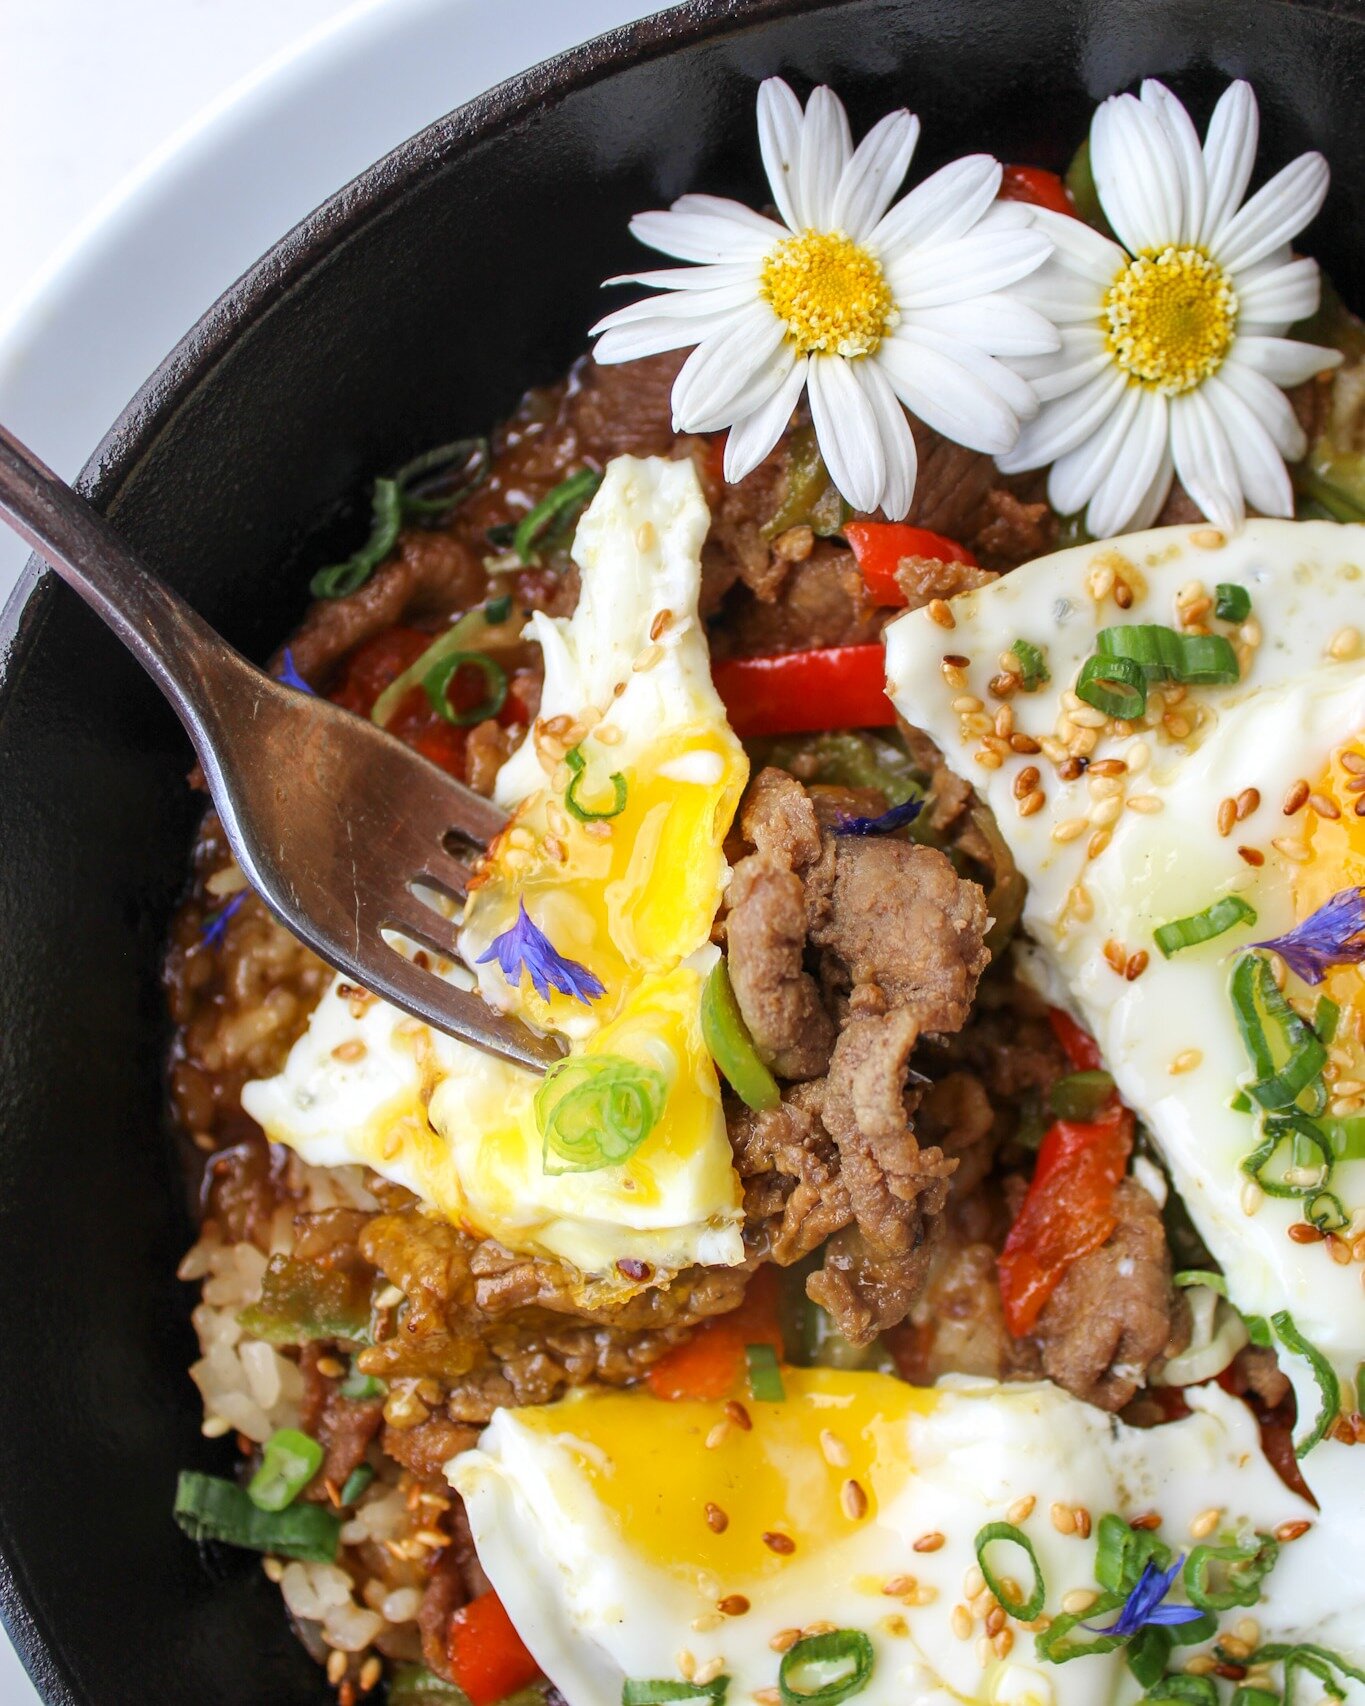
181 652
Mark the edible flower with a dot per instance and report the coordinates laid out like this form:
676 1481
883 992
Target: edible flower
886 824
1173 357
863 305
289 675
216 927
1144 1607
1331 936
526 947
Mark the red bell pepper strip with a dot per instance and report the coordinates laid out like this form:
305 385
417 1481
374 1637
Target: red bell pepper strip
881 546
1079 1047
487 1657
840 687
1067 1213
1041 188
712 1362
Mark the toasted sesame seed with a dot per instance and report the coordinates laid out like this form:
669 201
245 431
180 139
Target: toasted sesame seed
716 1519
1082 1522
1202 1664
784 1639
894 1625
1123 594
1176 726
1247 802
686 1664
1105 812
895 1586
980 1604
976 723
331 1367
973 1582
1295 798
930 1542
995 1620
1068 768
1087 717
1290 848
1032 803
1069 829
1204 1524
736 1413
776 1541
940 613
962 1623
1097 843
1063 1518
717 1434
1022 1509
708 1621
273 1567
608 734
1116 956
854 1500
1004 722
1251 855
953 674
1078 1601
1359 807
1234 1646
1145 803
1078 901
651 655
1026 781
370 1673
1022 743
1295 1530
1352 761
1138 962
1303 1233
833 1449
987 759
1252 1196
1208 539
967 702
1345 643
336 1666
709 1671
1227 816
1186 1061
795 545
770 1696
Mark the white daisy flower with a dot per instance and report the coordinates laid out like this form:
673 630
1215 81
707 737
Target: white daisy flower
1173 356
865 305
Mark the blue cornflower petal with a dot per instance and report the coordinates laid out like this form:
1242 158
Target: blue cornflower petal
1144 1607
1331 936
896 818
216 927
290 676
526 947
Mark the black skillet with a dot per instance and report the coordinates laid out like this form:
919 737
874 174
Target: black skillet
414 306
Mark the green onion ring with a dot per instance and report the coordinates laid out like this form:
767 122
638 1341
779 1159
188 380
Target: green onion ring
1114 685
1196 660
1122 1552
473 625
1345 1136
578 764
1055 1643
554 514
1032 662
1287 1652
209 1508
1329 1387
338 580
1330 1219
355 1484
998 1532
1215 920
596 1110
1183 1690
1248 1565
1231 602
765 1377
418 480
1201 1276
839 1646
1295 1128
1325 1017
639 1691
1251 989
436 683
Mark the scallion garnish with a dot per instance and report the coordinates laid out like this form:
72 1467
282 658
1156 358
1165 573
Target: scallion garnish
1122 1552
1258 1331
457 639
765 1377
1239 1568
289 1461
1201 1276
732 1048
498 609
1261 1009
1033 663
1081 1095
822 1670
637 1691
1114 685
585 814
1329 1387
550 520
361 1388
1324 1210
1297 1130
1181 1689
355 1484
1195 660
1325 1019
1215 920
209 1508
1345 1136
415 1685
1360 1388
1231 602
339 580
1305 1655
1008 1533
436 685
596 1110
1059 1645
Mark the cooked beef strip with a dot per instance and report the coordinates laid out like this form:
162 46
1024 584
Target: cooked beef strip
341 1426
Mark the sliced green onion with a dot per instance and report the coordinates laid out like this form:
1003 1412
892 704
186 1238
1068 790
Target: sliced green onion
585 814
1241 1103
1033 662
556 512
1329 1387
355 1484
360 1388
415 1685
1207 660
765 1377
1147 1655
1296 1130
1244 1695
731 1046
1201 1276
289 1461
209 1508
1231 602
1214 920
1258 1331
1114 685
338 580
1324 1210
1345 1137
1241 1569
472 626
1059 1646
637 1691
1325 1018
596 1110
847 1653
437 481
1008 1533
498 609
1182 1689
1298 1653
1123 1552
1162 654
436 684
1081 1095
1253 992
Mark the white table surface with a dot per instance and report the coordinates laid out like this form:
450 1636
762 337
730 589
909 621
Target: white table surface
111 115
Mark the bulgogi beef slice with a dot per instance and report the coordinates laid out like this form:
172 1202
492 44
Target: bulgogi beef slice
866 1289
780 1000
824 602
426 1448
923 579
1018 531
1111 1316
793 1188
341 1426
625 408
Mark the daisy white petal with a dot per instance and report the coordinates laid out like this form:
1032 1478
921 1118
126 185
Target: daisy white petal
1136 177
1008 216
707 228
1229 158
996 323
649 337
679 305
946 205
1204 461
1283 361
1277 212
1280 295
1270 406
898 442
1062 296
969 266
752 437
847 432
1013 390
1260 467
1076 477
874 174
779 143
691 278
826 149
1083 250
1185 151
1083 355
946 396
709 391
1139 469
1066 423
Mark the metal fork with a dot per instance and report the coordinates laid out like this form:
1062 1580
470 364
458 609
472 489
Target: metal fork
331 819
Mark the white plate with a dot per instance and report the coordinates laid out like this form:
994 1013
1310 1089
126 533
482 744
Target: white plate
129 285
132 283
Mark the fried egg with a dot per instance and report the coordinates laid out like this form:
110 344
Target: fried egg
629 719
632 1537
1247 789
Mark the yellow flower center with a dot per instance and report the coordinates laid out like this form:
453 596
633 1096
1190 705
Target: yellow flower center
829 293
1169 319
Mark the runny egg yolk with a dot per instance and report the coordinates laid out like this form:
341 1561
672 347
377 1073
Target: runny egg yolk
714 1502
1336 861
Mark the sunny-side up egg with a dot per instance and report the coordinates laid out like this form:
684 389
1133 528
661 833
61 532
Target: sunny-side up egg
630 720
632 1537
1120 828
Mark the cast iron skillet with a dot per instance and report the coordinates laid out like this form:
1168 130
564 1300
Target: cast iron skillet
414 306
